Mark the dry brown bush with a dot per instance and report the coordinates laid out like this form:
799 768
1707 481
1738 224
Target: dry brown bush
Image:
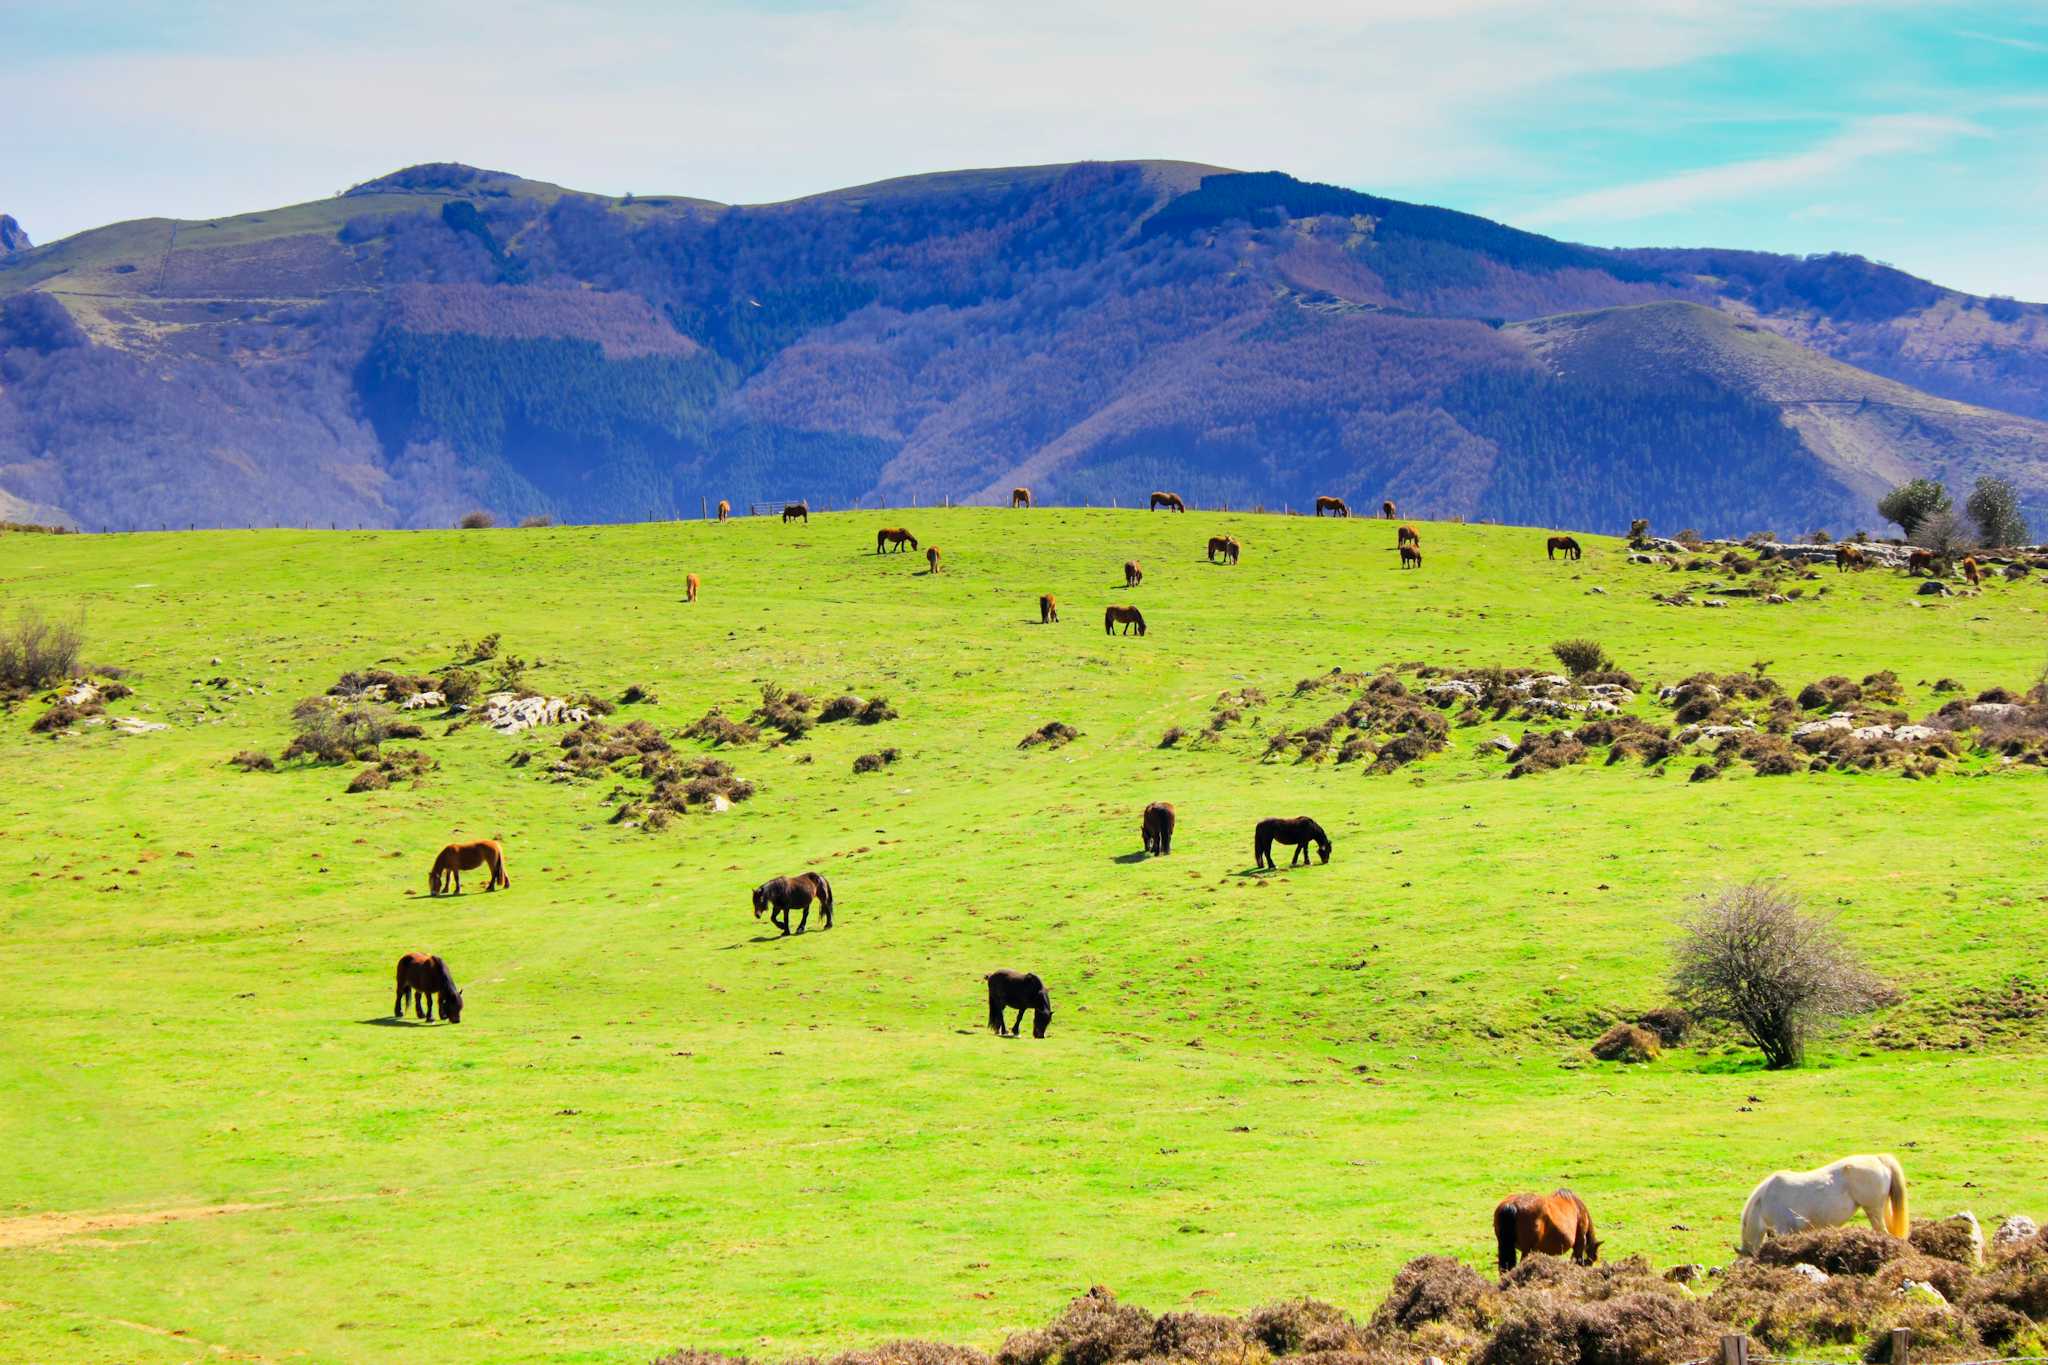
1433 1289
1627 1043
1838 1251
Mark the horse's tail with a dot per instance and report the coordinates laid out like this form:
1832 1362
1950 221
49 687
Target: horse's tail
1753 1229
1895 1220
824 893
995 1003
1504 1233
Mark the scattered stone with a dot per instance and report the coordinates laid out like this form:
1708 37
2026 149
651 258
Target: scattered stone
2014 1230
508 713
1811 1272
422 701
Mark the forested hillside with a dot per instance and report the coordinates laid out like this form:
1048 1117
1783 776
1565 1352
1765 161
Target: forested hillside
447 339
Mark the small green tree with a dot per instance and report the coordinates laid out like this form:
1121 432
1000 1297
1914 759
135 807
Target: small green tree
1912 503
1580 657
1995 507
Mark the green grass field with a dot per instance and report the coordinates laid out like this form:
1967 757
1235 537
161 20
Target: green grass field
655 1126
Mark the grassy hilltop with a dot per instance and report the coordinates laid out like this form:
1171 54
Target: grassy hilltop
656 1127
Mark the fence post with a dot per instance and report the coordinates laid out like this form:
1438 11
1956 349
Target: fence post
1902 1345
1734 1349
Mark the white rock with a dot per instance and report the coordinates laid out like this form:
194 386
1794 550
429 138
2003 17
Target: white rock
1776 599
82 692
421 701
2017 1228
1921 1290
135 725
1868 733
1995 710
1713 602
1976 1234
1819 727
1811 1272
720 802
1500 742
1913 734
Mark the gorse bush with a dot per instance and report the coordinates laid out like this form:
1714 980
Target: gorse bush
35 653
1580 657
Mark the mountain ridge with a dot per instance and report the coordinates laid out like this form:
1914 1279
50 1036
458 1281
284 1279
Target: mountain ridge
444 337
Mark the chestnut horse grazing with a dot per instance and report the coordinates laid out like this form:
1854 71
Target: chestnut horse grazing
1411 557
1972 572
792 511
457 859
1793 1201
894 535
1127 616
1552 1224
1170 501
1133 575
1407 536
1157 828
1387 510
780 895
724 509
1048 610
426 979
1018 991
1020 497
931 560
1225 548
690 587
1849 557
1336 507
1299 831
1920 561
1564 545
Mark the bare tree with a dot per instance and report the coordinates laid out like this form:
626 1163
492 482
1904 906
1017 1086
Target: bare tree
35 653
1945 533
1750 956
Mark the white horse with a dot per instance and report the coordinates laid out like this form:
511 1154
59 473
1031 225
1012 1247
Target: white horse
1792 1201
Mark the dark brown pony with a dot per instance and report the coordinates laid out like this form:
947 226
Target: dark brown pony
1170 501
690 586
1048 610
426 980
1157 827
931 559
1407 536
780 895
1920 561
1849 557
1018 991
1411 557
894 535
791 511
1126 616
1020 497
457 859
1387 510
1133 575
1336 507
1564 545
1971 572
1552 1224
1224 547
724 509
1299 831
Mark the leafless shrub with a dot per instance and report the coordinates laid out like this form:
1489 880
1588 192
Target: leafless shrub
478 520
253 761
529 523
1751 957
37 654
1052 735
1174 735
716 728
872 763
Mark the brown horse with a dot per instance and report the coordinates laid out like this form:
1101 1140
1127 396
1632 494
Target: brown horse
793 511
1387 510
931 559
1411 557
1407 536
724 509
780 895
1170 501
1336 507
1133 575
1564 545
1971 572
1020 497
1018 991
457 859
1126 616
1299 831
690 587
894 535
1225 548
1552 1224
1048 610
1156 828
1849 557
1919 562
425 979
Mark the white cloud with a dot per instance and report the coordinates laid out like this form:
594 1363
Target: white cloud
1864 139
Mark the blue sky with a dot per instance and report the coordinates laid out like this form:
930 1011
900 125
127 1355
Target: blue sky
1915 133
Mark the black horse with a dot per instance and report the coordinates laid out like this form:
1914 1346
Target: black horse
1157 827
426 979
1300 831
780 895
1018 991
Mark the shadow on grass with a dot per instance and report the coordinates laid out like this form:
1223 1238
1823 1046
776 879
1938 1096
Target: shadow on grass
393 1021
1138 857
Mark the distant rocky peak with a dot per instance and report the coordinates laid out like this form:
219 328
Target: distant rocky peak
12 238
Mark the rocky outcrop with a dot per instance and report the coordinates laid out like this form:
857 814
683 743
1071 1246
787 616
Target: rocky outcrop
12 238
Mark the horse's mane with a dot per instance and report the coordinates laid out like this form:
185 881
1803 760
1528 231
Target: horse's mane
445 979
